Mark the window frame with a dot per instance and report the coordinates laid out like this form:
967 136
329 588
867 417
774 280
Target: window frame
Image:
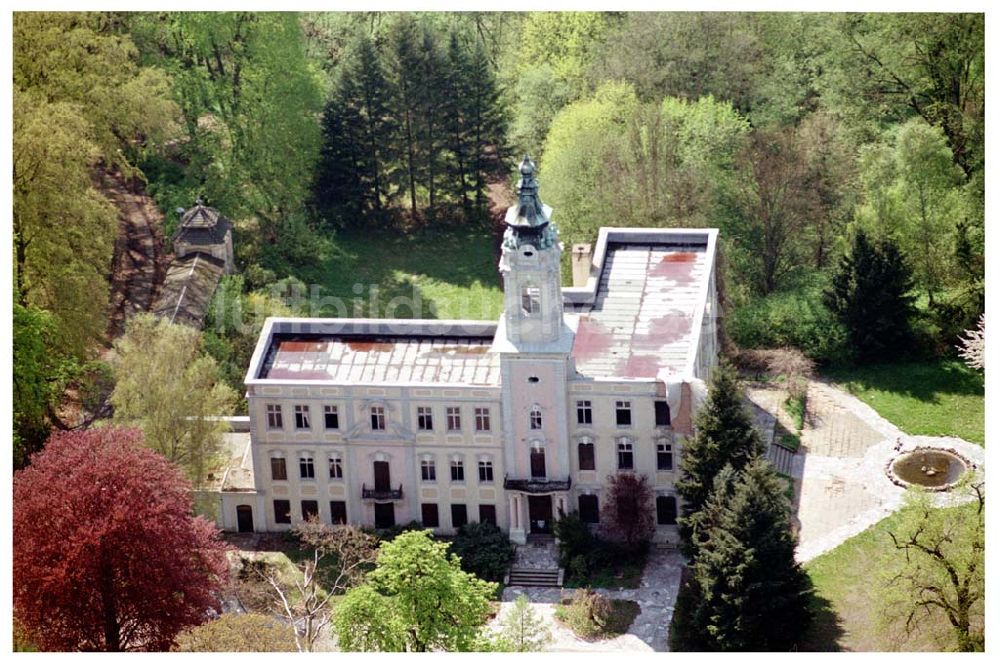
275 418
668 513
331 411
584 412
485 470
593 455
625 447
661 414
335 466
307 463
623 413
377 418
483 419
424 507
425 418
535 419
457 465
428 470
453 418
456 524
302 421
302 508
282 517
664 448
531 300
284 468
585 512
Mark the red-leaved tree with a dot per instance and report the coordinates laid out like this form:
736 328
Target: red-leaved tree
107 555
628 510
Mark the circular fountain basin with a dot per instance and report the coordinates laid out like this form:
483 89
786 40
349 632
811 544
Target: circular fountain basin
930 468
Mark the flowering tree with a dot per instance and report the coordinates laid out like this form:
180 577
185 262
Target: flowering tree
973 347
107 555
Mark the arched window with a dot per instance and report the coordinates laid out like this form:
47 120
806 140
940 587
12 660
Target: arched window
536 418
625 453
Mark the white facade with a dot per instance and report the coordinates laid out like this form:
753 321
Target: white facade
443 422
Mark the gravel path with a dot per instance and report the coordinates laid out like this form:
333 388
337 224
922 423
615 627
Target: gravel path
656 595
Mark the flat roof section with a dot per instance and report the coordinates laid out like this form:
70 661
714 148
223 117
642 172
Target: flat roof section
644 311
382 360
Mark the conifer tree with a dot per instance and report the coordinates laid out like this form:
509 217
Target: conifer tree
338 192
405 77
485 120
751 594
430 71
871 296
455 82
724 434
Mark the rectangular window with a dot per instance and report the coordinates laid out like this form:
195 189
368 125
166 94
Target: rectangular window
274 417
666 510
424 419
310 508
378 418
482 419
338 512
623 413
486 471
331 419
586 453
336 467
459 515
278 470
427 471
624 455
454 418
584 413
429 515
457 470
282 511
588 509
306 468
302 417
664 456
531 300
536 419
488 514
662 410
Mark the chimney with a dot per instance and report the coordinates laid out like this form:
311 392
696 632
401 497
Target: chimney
581 264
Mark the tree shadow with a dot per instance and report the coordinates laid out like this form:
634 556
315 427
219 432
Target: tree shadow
826 630
922 380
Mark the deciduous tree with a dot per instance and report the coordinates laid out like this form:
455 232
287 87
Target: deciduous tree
627 516
166 386
417 599
246 632
522 630
938 569
107 554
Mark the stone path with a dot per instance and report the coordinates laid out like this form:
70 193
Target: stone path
842 488
656 595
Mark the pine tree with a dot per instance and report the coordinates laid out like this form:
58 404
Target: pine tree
455 88
724 434
751 593
871 296
485 120
405 76
431 70
338 192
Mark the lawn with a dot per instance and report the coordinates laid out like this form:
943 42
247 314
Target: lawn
940 397
437 274
848 592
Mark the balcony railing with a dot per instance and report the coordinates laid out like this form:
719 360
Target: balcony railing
536 485
373 494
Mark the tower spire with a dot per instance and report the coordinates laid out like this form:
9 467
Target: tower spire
528 221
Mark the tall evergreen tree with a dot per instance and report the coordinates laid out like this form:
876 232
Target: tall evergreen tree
871 296
455 90
338 192
407 87
751 593
724 434
430 71
485 120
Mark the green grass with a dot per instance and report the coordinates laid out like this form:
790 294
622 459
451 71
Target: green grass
847 602
436 274
939 397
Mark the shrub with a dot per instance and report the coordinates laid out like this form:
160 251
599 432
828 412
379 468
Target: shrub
238 633
390 533
485 551
591 615
588 559
794 318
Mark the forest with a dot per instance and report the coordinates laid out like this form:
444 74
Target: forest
380 147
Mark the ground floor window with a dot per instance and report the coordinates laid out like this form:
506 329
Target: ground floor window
588 509
666 510
488 514
459 515
338 512
310 508
282 511
429 515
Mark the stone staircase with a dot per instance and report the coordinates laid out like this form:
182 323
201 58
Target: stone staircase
536 564
781 459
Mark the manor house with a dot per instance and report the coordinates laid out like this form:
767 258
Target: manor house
386 421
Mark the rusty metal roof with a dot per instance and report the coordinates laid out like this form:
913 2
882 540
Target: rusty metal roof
644 311
382 359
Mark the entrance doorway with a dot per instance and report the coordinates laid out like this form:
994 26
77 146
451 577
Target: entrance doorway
385 514
540 513
244 518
